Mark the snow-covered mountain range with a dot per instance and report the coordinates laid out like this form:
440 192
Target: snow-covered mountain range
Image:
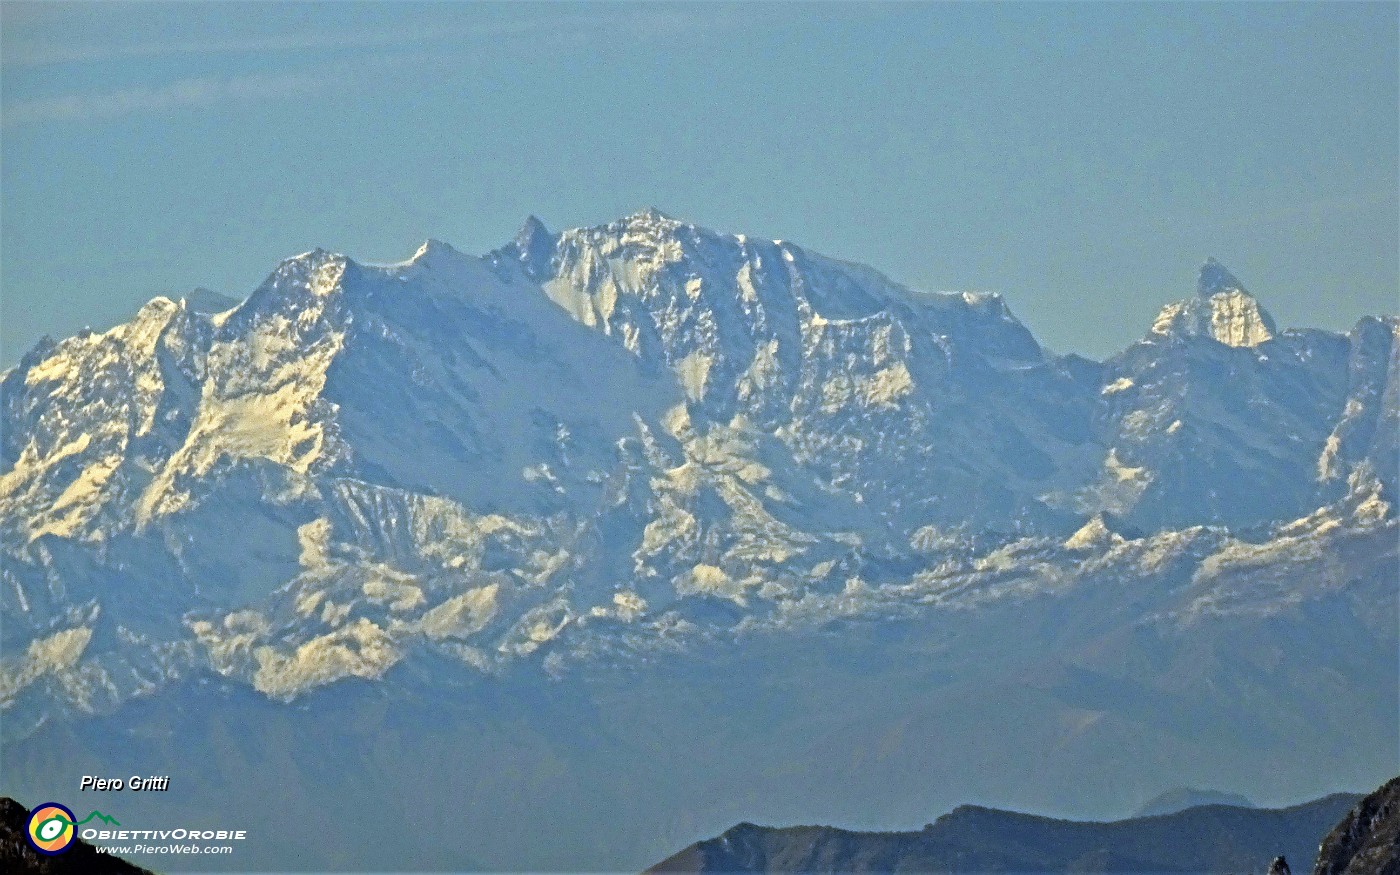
602 446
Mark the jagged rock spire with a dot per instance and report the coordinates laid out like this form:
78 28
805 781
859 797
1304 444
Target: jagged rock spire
1214 279
1222 310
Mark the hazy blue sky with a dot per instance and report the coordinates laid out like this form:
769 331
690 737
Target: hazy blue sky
1081 159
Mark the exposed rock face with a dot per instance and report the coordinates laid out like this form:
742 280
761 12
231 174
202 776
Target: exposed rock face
18 858
1280 867
1222 310
1367 841
722 467
489 458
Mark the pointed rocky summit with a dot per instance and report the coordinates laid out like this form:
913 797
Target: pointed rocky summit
1214 279
1222 310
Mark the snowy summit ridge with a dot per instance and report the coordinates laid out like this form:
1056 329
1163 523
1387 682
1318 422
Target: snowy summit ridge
581 442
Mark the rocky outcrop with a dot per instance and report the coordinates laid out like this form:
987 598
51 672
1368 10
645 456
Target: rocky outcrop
1367 841
18 858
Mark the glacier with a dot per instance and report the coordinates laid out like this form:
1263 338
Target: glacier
603 476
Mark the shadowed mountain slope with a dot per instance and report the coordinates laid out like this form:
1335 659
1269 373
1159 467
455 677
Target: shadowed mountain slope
1210 838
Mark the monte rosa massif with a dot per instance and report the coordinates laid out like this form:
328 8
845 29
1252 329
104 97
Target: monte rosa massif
621 503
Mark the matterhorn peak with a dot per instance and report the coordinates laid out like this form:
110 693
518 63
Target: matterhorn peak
1222 310
1214 278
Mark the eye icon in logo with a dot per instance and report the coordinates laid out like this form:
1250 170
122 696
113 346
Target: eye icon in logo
51 828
